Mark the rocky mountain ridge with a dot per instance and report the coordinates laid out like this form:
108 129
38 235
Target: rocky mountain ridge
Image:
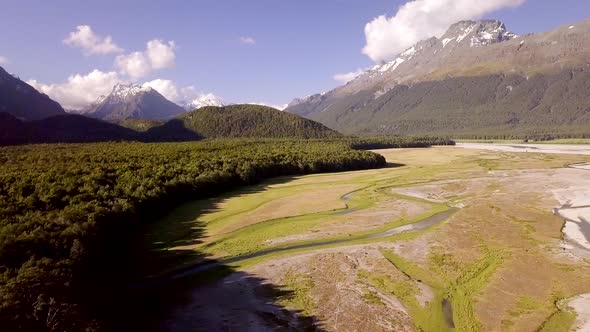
470 51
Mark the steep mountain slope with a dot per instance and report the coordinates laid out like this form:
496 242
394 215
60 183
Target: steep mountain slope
239 121
129 101
67 128
477 79
23 101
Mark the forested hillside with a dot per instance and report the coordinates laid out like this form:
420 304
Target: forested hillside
67 213
140 125
67 128
244 121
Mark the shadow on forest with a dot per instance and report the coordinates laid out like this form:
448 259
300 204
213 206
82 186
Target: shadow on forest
163 298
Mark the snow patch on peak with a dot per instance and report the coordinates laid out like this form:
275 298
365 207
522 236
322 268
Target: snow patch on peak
100 99
571 27
466 32
446 41
392 65
124 91
491 32
477 33
208 99
409 52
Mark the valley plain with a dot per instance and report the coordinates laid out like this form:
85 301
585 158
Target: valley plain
488 249
442 186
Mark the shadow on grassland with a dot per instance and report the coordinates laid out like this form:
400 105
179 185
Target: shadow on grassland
393 165
218 299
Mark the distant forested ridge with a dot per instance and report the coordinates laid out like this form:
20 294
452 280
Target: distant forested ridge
253 121
140 125
243 121
66 128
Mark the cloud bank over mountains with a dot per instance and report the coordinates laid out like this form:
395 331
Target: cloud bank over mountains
420 19
80 90
347 77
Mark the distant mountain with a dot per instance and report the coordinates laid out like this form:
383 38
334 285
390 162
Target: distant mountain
477 79
202 101
206 122
23 101
67 128
130 101
239 121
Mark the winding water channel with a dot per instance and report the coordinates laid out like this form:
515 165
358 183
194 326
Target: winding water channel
576 237
417 226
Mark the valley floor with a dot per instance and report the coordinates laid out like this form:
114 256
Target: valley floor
453 238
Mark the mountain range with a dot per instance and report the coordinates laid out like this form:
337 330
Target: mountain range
478 79
254 121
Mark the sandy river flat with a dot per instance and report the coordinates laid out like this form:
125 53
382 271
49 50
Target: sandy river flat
538 148
501 259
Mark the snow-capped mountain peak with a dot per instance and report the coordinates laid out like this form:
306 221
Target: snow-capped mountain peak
476 33
421 59
128 100
123 91
465 34
202 101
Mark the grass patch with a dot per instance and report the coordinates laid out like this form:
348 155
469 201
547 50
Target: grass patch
562 320
299 287
371 298
565 141
428 318
460 291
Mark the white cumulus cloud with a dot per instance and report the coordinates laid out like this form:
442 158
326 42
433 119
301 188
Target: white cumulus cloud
79 90
166 88
134 64
161 53
157 55
347 77
420 19
246 40
91 43
3 60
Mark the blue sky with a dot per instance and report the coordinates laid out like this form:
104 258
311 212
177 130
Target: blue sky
295 48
